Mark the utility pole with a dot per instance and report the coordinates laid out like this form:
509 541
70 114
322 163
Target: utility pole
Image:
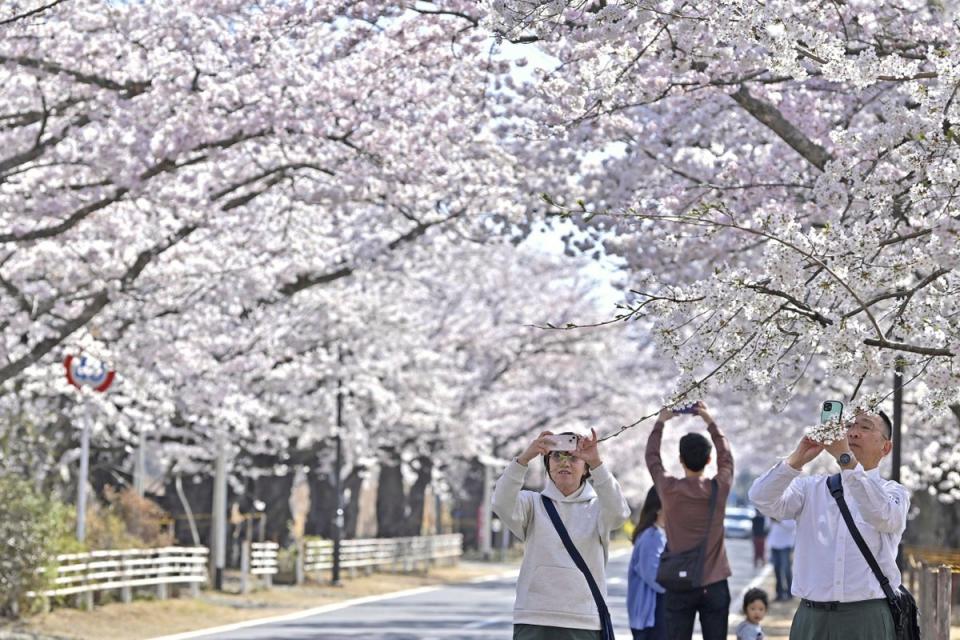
337 484
218 533
140 465
897 418
82 479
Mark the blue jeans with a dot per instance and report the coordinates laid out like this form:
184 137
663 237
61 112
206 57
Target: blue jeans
783 568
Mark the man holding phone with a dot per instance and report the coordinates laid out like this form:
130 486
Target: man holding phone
840 595
689 521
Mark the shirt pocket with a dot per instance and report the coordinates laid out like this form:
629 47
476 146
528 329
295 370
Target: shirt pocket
560 589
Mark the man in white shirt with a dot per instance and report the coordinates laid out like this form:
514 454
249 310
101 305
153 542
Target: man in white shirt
840 596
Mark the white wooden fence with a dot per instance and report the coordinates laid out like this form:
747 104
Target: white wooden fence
83 574
258 559
398 554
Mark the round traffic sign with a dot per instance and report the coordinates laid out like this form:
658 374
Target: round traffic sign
85 371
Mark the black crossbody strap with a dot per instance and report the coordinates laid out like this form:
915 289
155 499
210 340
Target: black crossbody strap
605 623
836 490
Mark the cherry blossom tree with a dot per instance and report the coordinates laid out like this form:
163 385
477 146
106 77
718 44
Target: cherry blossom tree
779 178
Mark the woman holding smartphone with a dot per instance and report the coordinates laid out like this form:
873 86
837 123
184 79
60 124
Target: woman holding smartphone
554 598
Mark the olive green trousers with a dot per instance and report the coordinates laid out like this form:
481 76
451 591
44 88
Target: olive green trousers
540 632
867 620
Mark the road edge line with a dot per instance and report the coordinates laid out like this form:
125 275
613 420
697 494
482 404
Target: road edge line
296 615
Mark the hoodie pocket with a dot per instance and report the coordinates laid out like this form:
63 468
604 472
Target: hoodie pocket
560 589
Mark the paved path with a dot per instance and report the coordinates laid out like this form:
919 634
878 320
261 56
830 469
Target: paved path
470 611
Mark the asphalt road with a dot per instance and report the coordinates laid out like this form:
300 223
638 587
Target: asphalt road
470 611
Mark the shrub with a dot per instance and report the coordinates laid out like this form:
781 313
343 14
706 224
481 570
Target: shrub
143 518
126 521
31 528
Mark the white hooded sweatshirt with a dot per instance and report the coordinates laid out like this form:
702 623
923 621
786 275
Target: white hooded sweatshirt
551 591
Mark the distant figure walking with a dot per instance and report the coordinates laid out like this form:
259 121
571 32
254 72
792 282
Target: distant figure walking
782 537
759 524
555 600
645 600
690 523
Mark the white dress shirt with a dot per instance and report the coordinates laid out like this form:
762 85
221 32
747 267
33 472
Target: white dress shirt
827 564
783 534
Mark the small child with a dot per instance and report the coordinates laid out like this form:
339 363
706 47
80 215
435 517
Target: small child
754 608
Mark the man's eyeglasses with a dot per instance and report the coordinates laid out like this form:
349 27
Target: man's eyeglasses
863 428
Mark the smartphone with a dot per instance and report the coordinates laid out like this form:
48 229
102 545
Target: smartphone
688 408
563 442
831 410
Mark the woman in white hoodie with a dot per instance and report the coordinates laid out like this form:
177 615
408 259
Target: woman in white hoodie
553 598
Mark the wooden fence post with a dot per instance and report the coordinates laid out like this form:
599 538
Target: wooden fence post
126 592
301 551
245 567
925 602
943 602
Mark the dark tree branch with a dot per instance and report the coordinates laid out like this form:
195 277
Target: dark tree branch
31 13
307 280
164 166
127 89
898 293
801 307
909 348
771 117
97 303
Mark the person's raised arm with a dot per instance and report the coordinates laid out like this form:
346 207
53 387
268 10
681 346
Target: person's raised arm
882 505
614 509
652 454
778 493
507 503
721 444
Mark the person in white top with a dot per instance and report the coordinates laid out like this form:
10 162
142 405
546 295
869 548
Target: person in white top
554 601
781 539
840 596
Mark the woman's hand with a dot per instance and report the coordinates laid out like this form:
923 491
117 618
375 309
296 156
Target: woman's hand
539 446
588 451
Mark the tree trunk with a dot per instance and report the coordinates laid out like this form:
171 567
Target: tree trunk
414 504
353 484
391 502
274 491
467 505
323 504
199 492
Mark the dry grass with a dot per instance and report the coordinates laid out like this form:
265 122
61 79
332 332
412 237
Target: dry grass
148 619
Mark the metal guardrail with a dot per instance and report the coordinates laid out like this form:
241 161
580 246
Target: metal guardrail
398 554
83 574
